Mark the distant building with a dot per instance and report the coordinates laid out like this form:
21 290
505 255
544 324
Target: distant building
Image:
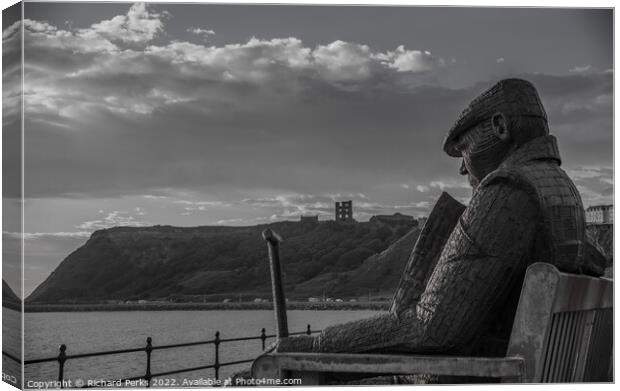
313 299
309 219
344 211
422 221
396 218
600 214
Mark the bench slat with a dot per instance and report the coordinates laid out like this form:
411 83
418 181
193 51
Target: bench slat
401 364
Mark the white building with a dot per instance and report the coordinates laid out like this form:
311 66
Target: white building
600 214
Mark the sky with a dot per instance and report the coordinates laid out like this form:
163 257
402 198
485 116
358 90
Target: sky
193 114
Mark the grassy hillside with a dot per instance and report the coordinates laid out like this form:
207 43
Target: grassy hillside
126 263
9 298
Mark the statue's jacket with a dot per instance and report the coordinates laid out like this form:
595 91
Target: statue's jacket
535 168
528 210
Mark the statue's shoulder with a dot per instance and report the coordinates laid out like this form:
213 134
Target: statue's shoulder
542 179
520 177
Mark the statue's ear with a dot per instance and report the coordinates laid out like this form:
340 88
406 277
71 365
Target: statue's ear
500 126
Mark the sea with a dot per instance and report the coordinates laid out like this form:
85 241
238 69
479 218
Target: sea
84 332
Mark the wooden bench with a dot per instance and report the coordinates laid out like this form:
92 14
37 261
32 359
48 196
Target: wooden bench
562 332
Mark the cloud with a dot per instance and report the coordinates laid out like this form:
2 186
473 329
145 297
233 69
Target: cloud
416 61
202 203
154 197
117 55
260 116
595 184
422 188
204 33
230 221
11 30
582 69
500 60
39 235
449 183
139 25
200 206
113 219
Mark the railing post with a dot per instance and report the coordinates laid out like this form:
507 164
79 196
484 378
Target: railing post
216 365
62 357
263 337
308 331
148 350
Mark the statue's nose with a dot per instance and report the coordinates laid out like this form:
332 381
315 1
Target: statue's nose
463 169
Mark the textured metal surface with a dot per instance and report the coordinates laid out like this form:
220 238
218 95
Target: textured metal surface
562 239
512 97
279 302
441 221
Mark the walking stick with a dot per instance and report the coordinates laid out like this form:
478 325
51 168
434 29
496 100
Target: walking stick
279 302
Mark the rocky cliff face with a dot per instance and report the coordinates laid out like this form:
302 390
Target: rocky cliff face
127 263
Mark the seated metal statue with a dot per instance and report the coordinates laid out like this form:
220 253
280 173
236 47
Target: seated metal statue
460 289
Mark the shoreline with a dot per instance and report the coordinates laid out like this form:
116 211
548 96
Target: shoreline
314 306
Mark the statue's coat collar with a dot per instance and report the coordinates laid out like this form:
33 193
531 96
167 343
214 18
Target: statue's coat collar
540 148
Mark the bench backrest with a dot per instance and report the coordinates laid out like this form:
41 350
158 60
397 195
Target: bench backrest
563 326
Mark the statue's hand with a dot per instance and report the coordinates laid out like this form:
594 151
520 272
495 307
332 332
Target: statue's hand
301 343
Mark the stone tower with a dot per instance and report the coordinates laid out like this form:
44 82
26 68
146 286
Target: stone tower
344 211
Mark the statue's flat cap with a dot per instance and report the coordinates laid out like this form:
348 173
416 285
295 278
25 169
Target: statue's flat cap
512 97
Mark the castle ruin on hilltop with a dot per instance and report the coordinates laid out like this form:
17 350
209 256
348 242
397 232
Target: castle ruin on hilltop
344 211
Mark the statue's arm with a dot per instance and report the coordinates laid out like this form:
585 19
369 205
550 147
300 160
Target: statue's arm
481 261
487 254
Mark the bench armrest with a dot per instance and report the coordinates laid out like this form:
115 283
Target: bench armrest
274 365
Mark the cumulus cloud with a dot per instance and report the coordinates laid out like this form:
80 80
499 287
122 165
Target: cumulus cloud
415 61
192 115
500 60
204 33
134 76
139 25
41 35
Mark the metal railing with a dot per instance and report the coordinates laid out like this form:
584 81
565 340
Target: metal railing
62 356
